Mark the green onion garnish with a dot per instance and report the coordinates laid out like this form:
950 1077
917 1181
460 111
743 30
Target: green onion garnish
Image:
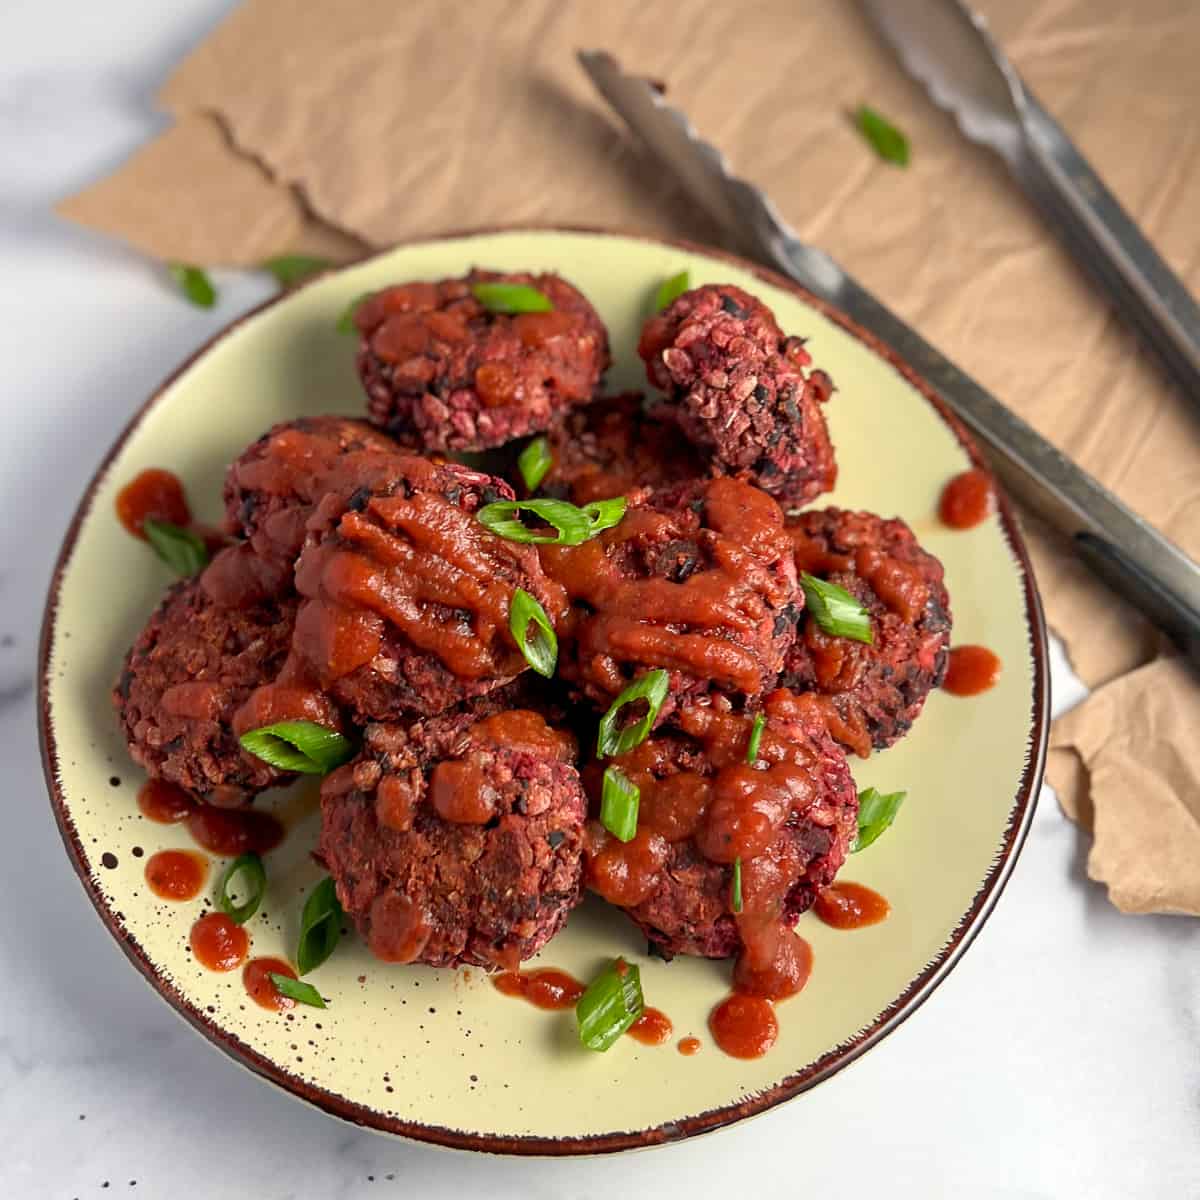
345 323
194 284
291 269
250 865
534 461
612 1002
876 812
736 887
835 610
296 989
619 805
320 926
671 288
755 738
651 687
572 525
890 144
540 649
604 514
181 549
302 746
511 298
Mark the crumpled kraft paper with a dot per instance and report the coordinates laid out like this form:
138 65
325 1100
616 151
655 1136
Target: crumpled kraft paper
393 121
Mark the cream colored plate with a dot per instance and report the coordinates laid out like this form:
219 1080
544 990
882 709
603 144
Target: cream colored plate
441 1056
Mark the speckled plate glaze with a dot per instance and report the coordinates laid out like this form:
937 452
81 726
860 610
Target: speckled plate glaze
441 1056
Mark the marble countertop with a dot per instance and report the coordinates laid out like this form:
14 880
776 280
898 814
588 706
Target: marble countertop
1061 1058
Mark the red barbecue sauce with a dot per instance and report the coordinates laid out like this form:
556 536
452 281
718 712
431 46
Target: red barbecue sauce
257 980
218 942
652 1028
545 988
689 1046
176 874
721 605
156 494
972 669
744 1026
224 831
967 499
851 906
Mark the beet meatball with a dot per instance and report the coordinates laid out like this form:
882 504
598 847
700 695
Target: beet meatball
872 692
271 488
407 596
188 674
788 818
457 839
697 580
739 391
611 448
443 373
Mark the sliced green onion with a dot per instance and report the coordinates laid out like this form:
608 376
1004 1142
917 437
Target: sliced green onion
604 514
755 738
619 799
540 650
181 549
890 144
296 989
320 926
835 610
651 687
511 298
291 269
249 865
736 887
612 1002
302 746
671 288
876 812
194 284
345 323
534 461
572 525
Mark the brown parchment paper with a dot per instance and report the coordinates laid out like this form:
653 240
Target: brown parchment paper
390 121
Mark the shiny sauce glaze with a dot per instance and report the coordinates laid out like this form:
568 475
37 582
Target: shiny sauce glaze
652 1028
218 942
744 1026
223 831
851 906
730 810
176 874
700 610
689 1046
256 978
967 500
417 566
972 670
155 494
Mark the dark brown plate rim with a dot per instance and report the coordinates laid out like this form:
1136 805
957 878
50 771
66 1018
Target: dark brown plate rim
918 990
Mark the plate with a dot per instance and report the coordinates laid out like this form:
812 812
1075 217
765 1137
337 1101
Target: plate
441 1056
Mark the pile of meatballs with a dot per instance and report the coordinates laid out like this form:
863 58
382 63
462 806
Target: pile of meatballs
359 591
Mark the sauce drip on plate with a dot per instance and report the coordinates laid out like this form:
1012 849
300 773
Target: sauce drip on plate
257 980
967 499
973 669
218 942
224 831
546 988
851 906
176 874
155 494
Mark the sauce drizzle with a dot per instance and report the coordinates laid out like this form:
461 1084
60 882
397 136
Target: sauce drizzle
689 1046
546 988
652 1028
744 1026
851 906
972 669
223 831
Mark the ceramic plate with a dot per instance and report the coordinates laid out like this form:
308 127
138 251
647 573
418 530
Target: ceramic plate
441 1056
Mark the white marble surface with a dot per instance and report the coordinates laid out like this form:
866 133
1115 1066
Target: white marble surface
1060 1059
